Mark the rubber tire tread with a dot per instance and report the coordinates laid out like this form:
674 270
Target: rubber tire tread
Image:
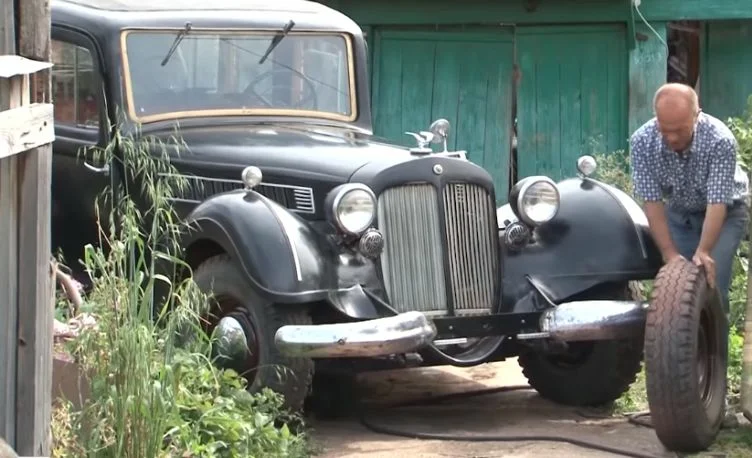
291 377
677 413
612 367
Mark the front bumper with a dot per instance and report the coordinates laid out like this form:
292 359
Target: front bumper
401 333
408 332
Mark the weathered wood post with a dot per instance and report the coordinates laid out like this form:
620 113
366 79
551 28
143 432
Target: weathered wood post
26 313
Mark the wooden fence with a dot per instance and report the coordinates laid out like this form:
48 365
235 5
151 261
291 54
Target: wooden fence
26 282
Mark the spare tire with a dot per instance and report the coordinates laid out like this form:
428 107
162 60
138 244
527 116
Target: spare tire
685 358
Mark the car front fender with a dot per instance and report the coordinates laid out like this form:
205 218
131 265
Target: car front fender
283 257
599 235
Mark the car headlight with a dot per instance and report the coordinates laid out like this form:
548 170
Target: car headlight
535 200
352 207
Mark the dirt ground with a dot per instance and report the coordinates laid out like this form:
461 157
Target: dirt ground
519 412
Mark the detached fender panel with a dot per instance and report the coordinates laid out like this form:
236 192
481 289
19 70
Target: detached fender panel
599 235
281 254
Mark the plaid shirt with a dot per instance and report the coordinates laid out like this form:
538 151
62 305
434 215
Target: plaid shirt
707 174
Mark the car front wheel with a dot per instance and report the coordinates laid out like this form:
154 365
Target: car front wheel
244 325
587 373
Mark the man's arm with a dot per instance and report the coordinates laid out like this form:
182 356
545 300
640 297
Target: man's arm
648 189
720 193
656 214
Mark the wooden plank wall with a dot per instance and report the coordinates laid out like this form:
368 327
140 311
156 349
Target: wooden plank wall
726 68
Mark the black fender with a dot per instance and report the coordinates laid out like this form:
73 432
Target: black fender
599 235
281 254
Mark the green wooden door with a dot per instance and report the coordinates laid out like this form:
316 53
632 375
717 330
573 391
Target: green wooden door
725 81
465 77
572 96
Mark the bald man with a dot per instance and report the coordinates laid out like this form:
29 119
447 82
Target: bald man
695 194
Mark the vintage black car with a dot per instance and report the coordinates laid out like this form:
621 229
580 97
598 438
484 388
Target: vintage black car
328 248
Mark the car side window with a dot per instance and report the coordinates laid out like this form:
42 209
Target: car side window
75 85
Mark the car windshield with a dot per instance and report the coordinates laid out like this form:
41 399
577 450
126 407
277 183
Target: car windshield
214 73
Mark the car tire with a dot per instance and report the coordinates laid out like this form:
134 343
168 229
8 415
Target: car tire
590 373
233 296
684 330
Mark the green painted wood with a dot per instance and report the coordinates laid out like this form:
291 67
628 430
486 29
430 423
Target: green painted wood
422 76
438 12
726 75
572 96
647 72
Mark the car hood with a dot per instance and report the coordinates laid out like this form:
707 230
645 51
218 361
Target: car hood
286 154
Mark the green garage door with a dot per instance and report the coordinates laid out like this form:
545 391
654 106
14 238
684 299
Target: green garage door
465 77
725 83
572 96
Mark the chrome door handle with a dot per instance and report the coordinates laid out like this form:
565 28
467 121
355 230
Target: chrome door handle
104 169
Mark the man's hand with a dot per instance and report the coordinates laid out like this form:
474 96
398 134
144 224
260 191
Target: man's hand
703 258
660 232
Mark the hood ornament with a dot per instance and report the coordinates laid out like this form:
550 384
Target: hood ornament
438 133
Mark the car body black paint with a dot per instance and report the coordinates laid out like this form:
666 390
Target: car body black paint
292 254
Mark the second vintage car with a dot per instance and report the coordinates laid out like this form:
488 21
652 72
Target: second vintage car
326 248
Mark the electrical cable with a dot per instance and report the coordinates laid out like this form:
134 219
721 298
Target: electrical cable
381 429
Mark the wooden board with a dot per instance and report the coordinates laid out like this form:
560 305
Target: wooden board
440 12
572 96
26 127
647 72
725 82
421 76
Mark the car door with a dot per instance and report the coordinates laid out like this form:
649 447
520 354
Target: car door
80 125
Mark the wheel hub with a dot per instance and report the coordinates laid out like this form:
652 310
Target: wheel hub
235 345
705 369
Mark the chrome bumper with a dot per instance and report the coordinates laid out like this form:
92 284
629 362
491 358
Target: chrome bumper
401 333
594 320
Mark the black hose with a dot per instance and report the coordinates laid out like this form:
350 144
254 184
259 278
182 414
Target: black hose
491 438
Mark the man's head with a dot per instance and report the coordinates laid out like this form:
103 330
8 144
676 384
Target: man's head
676 109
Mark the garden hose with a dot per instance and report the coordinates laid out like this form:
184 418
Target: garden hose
381 429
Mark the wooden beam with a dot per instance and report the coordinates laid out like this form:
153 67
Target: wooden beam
495 12
699 10
35 306
26 127
7 43
647 71
8 308
8 250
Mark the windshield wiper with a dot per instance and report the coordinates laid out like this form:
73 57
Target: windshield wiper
277 38
175 43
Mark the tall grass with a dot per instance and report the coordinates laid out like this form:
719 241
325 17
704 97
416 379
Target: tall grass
154 390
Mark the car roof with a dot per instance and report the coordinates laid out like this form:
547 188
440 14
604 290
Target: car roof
282 6
118 14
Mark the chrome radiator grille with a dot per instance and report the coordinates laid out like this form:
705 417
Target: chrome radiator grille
413 259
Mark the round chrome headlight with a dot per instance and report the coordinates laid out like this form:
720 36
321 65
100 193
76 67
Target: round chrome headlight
353 208
536 200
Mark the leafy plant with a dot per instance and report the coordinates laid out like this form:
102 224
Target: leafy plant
154 388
